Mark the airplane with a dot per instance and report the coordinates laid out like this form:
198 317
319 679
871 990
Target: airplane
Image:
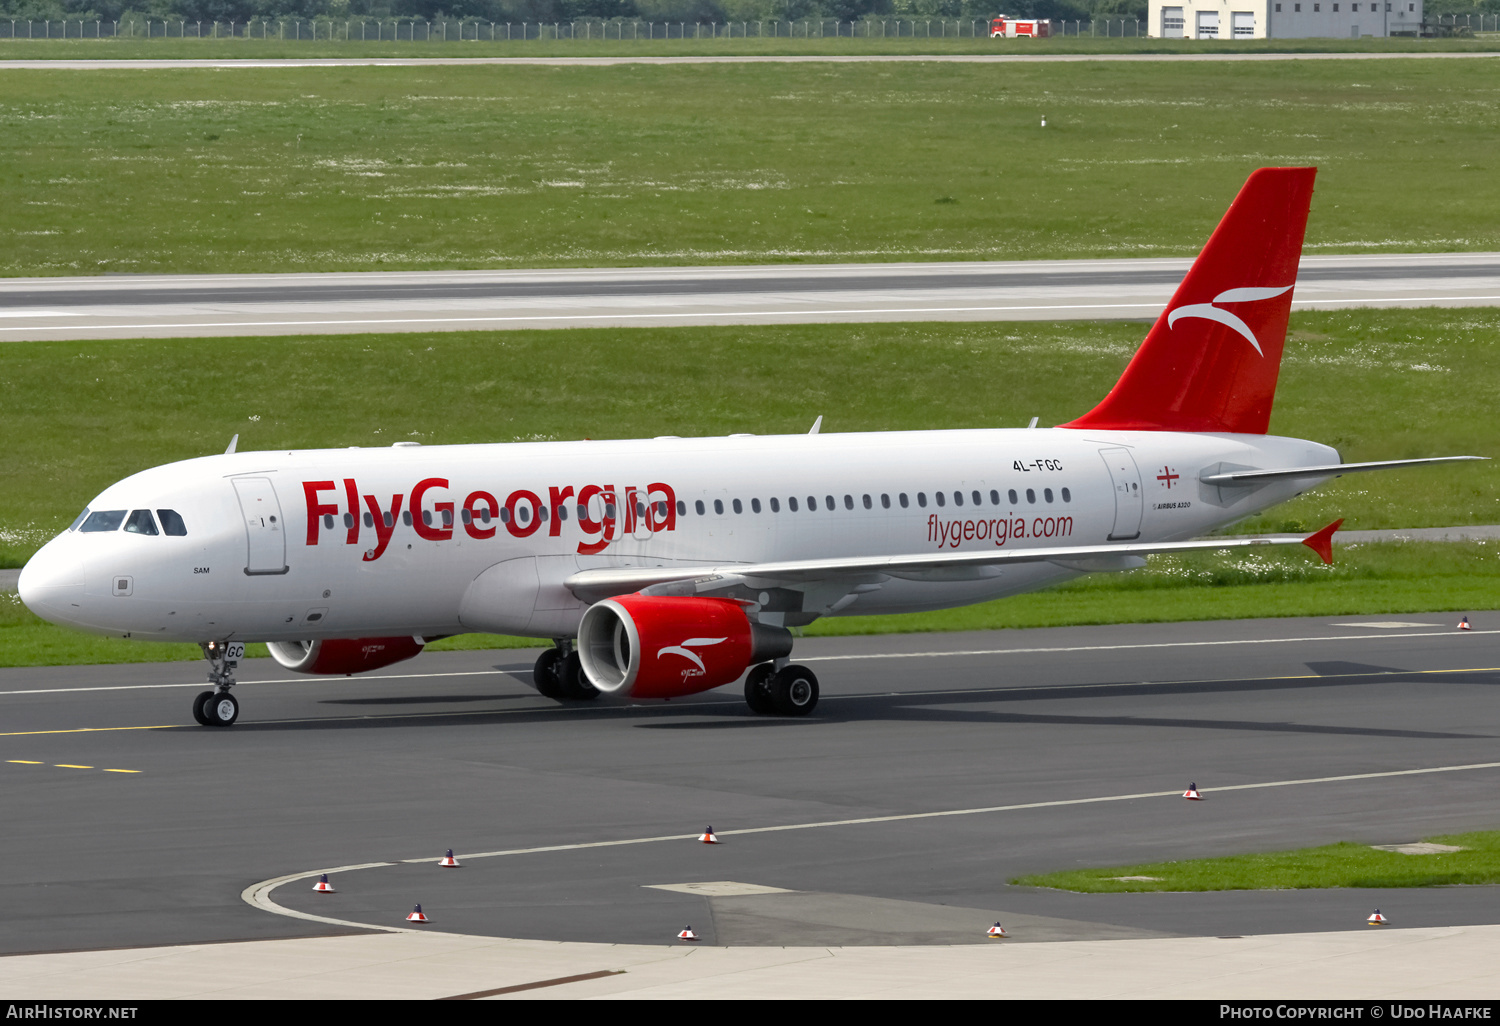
664 567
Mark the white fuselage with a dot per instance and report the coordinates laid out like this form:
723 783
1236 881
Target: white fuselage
269 553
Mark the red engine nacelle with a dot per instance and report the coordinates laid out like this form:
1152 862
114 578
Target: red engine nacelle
344 655
650 646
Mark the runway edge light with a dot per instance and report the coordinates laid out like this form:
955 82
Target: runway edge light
1191 794
996 931
687 934
1463 624
417 915
707 837
1376 919
449 860
323 886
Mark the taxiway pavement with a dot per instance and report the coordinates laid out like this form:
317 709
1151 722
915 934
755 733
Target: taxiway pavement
160 306
127 826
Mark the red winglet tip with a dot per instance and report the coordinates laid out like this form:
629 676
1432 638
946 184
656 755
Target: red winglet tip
1322 542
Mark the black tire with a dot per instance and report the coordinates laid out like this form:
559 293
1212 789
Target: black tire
545 676
794 691
198 703
575 685
758 690
221 709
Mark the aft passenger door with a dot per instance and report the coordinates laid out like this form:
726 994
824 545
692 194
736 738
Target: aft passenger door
1129 502
264 529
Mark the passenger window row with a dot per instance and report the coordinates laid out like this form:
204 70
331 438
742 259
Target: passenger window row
958 498
138 521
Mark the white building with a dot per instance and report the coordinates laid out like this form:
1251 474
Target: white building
1283 19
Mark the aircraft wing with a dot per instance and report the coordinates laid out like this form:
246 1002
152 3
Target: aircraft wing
605 582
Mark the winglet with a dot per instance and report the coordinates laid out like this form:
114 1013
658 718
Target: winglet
1322 542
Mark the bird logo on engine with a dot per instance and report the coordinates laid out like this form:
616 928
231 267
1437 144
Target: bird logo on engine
686 651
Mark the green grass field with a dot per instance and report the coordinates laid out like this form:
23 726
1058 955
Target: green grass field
1333 865
349 168
135 48
77 416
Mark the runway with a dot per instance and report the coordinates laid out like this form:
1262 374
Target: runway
163 306
937 768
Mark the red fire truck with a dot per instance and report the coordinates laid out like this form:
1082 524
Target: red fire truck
1012 27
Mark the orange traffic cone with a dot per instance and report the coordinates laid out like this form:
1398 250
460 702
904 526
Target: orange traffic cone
448 860
1191 794
1376 919
1463 624
417 915
687 934
323 886
707 837
996 931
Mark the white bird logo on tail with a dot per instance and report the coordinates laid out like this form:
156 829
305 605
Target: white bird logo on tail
1210 312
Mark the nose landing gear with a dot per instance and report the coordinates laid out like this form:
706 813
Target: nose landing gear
219 708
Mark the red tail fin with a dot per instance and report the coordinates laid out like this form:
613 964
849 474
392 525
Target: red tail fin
1211 360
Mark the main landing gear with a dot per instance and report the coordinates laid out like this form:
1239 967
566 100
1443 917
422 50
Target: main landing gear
219 708
558 674
789 690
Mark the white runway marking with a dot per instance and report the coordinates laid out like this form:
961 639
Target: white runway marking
542 318
259 895
1119 648
812 659
811 314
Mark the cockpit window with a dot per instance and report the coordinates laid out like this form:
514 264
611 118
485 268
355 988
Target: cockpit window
140 522
103 520
81 518
171 523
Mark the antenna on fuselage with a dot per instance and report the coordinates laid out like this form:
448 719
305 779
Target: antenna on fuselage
232 443
1033 423
816 424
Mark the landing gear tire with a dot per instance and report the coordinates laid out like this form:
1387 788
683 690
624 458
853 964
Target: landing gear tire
221 710
198 703
574 684
546 676
794 691
758 691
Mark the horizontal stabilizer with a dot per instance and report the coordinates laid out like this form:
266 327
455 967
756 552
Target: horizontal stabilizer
1322 541
1250 477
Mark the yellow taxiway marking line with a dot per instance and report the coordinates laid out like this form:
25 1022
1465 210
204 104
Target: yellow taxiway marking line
66 765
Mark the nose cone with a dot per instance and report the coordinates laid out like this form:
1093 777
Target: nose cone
51 582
